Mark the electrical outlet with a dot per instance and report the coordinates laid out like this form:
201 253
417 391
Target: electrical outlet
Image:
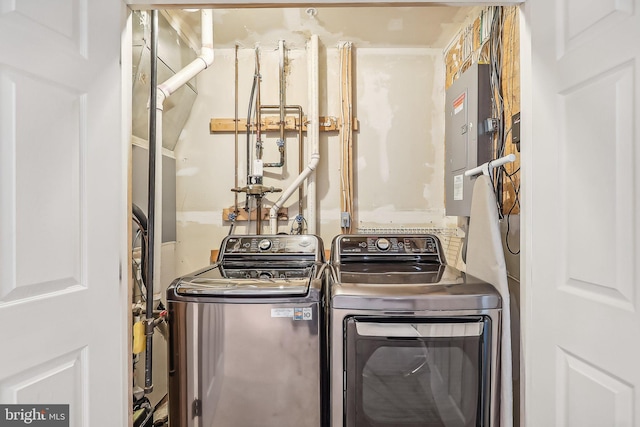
345 220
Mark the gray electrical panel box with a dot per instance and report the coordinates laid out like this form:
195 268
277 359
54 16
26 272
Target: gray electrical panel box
468 142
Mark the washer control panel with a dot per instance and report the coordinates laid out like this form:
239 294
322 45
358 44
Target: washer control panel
270 244
252 273
400 245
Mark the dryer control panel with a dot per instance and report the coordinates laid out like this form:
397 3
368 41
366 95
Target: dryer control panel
428 245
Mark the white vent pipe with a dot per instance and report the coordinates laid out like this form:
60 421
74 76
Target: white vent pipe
313 137
175 82
200 63
313 131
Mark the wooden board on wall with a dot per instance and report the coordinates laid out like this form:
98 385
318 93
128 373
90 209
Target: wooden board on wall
283 214
272 124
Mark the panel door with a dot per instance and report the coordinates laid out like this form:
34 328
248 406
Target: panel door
62 209
581 214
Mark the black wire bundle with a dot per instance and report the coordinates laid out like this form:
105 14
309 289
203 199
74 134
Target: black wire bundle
498 106
141 220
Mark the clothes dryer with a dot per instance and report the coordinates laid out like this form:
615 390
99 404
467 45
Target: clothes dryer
413 341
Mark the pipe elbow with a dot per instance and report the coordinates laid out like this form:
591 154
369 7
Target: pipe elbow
315 159
207 55
161 96
273 212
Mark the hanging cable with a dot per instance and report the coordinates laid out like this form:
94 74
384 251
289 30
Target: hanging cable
516 190
141 220
498 110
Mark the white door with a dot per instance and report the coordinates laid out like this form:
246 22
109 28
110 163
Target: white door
63 215
582 242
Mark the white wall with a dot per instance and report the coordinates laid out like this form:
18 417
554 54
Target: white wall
399 150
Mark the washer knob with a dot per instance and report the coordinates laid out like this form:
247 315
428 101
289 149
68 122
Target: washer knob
383 244
264 244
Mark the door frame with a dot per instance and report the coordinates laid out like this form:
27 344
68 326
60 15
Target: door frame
526 222
126 91
526 136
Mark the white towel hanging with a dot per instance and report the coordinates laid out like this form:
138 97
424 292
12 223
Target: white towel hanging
485 260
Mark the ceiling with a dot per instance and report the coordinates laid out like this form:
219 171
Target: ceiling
380 26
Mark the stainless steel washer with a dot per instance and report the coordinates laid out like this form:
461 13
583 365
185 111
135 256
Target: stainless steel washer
245 336
413 342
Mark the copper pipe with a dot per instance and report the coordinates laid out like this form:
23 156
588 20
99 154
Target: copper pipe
258 214
300 143
281 92
300 159
281 105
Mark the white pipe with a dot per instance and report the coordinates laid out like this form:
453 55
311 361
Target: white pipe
197 65
273 213
313 132
157 223
177 80
203 61
486 168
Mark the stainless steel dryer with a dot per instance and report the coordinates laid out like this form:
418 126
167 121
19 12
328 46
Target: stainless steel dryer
245 336
413 341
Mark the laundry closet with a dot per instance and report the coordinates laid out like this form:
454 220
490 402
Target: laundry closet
241 153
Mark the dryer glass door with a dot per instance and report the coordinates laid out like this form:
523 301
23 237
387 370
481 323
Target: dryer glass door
417 372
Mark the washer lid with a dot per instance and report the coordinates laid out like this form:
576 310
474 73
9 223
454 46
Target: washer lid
261 281
242 287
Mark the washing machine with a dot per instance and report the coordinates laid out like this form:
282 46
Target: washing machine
245 336
413 342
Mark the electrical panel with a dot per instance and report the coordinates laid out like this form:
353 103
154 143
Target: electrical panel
468 136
